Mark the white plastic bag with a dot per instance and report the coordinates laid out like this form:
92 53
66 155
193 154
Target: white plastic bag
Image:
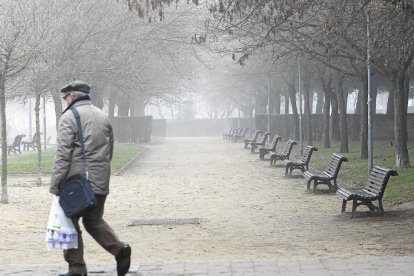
60 234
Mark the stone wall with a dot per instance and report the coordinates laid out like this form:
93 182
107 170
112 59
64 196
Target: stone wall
203 127
132 129
383 126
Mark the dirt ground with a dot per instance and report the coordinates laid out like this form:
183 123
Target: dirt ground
248 210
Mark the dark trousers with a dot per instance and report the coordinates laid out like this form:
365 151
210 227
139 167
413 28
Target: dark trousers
99 230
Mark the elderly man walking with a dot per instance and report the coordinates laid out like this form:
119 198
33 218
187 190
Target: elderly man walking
98 142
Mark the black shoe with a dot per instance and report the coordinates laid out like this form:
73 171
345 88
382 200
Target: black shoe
123 260
73 274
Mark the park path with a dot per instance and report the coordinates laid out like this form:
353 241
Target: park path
253 219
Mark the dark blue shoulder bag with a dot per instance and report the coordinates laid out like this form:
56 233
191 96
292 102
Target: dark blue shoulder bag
75 192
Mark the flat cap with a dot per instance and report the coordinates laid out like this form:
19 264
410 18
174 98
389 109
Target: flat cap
76 85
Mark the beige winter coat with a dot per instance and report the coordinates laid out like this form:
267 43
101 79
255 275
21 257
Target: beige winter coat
98 140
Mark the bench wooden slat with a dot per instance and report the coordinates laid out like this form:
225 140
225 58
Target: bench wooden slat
15 147
261 143
271 148
301 164
247 141
328 176
373 191
241 136
285 154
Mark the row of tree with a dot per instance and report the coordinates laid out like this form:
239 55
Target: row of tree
334 43
45 44
130 63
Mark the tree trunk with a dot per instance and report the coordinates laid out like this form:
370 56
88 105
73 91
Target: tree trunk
390 101
111 106
57 100
311 97
251 119
334 117
406 94
38 142
374 94
97 100
286 104
319 102
260 103
172 112
138 107
343 124
307 109
4 193
326 111
123 106
400 121
276 104
364 117
358 103
345 90
292 96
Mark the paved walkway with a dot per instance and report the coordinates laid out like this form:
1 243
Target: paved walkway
367 266
255 221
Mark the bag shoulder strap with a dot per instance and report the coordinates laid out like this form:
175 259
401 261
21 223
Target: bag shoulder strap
80 132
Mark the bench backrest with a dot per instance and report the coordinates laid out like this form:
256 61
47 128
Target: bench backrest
377 180
34 137
307 153
335 164
243 134
264 137
288 147
18 140
256 135
275 140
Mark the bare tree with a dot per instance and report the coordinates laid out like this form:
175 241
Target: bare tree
17 51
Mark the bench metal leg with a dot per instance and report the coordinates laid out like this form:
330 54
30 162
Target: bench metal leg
354 206
343 205
370 206
335 186
308 184
381 209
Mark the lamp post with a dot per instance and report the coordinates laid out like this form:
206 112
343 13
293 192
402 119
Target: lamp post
44 122
30 118
369 103
300 111
268 105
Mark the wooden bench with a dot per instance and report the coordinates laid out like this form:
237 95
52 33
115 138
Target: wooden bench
373 190
285 154
301 164
241 136
261 143
247 141
328 176
237 132
228 134
271 148
30 144
15 147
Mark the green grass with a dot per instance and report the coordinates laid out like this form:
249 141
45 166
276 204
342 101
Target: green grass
27 162
400 188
